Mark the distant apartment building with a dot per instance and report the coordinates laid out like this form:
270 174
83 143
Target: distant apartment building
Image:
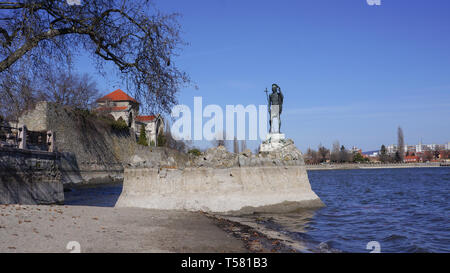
411 148
419 148
356 150
392 149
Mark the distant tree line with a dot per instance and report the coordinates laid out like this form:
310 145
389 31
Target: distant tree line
338 154
399 155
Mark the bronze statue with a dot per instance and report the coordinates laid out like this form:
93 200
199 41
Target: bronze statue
275 101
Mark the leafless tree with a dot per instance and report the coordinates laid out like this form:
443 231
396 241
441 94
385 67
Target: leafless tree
243 145
428 156
400 143
165 139
335 152
324 153
18 92
437 151
131 34
384 157
235 146
69 89
311 156
344 155
219 139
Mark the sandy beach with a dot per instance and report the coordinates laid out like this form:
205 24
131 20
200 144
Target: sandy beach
98 229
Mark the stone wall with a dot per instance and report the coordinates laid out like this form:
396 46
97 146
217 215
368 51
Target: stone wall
35 119
29 177
91 151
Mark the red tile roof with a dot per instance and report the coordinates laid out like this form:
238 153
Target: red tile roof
145 118
117 95
411 158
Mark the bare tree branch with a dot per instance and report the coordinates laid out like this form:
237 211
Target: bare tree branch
138 40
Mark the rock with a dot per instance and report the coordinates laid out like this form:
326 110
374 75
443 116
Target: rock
288 153
217 157
247 153
171 161
244 161
274 141
136 161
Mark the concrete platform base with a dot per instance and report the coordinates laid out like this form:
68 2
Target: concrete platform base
226 190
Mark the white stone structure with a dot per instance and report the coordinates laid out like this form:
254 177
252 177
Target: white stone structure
120 105
273 142
154 125
238 189
222 182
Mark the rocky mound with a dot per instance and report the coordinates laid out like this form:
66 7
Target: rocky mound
218 157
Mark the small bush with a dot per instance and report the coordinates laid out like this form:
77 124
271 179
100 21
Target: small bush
358 158
119 125
84 112
142 137
162 140
195 152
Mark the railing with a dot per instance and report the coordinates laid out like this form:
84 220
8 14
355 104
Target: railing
9 136
37 141
20 137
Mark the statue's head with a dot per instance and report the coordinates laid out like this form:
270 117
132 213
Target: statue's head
274 87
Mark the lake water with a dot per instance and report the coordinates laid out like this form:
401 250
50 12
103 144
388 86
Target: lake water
403 210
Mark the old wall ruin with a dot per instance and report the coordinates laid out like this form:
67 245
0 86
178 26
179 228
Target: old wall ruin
29 177
91 150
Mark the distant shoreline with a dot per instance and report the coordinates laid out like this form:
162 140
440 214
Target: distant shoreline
352 166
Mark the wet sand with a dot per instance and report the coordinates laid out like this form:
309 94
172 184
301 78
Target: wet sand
97 229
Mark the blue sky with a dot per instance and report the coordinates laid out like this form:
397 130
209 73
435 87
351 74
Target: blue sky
349 71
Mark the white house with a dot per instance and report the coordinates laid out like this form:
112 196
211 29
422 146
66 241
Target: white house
121 106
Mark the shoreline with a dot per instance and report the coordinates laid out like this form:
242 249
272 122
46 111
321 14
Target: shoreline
356 166
259 238
49 229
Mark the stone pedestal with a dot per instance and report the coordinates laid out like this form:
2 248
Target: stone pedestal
273 181
273 142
